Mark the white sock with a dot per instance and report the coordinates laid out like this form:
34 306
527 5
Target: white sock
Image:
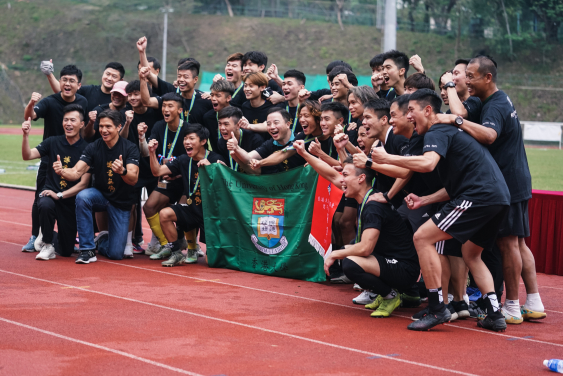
450 298
466 298
154 240
129 238
534 303
391 295
512 307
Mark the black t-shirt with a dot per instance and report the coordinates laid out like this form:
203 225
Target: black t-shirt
70 154
270 147
328 147
150 118
394 144
317 94
181 166
387 94
466 168
163 87
159 131
294 120
94 95
249 141
100 157
508 149
211 122
395 240
420 184
473 106
99 110
352 134
239 98
51 110
200 107
257 115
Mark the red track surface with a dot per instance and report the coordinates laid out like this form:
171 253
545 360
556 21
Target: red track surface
134 317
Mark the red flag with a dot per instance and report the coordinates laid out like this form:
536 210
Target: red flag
327 198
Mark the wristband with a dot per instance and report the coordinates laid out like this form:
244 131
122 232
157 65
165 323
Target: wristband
369 163
386 197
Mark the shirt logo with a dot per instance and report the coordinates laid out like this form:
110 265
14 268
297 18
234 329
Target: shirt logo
437 216
392 261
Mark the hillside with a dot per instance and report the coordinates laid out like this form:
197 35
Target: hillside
90 35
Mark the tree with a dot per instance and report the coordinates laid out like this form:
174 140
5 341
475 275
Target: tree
440 11
551 13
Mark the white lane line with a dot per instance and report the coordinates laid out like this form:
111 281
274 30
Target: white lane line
15 223
245 325
100 347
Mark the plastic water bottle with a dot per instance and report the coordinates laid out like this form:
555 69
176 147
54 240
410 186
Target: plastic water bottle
555 365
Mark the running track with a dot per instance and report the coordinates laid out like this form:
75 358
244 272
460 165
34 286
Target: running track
134 317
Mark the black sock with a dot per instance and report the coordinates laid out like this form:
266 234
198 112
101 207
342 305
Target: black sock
435 301
176 245
366 280
491 302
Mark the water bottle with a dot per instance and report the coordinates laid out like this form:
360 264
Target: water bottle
555 365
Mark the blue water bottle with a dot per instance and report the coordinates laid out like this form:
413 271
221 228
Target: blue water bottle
555 365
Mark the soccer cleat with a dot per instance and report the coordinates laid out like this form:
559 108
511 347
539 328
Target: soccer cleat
528 314
199 251
460 308
357 287
510 319
162 253
387 307
38 244
47 252
191 257
430 320
475 311
152 249
375 303
137 249
86 257
98 238
30 246
496 323
366 297
128 253
408 301
420 314
342 279
176 258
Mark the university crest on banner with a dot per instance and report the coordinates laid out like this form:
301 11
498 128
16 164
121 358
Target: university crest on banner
267 224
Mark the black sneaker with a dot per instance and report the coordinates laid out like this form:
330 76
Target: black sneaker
430 320
86 257
420 314
476 312
495 322
460 308
453 313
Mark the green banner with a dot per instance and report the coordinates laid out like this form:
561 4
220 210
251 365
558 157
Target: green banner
261 224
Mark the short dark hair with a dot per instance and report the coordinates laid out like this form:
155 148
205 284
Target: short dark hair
190 66
173 97
420 81
377 61
462 61
113 115
298 75
256 57
282 111
198 129
427 97
368 172
379 106
340 69
400 59
117 66
132 86
74 107
402 102
223 86
337 63
440 79
486 65
337 108
190 60
232 112
153 60
71 70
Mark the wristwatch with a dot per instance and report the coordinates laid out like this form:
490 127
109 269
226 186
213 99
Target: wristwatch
60 195
124 171
458 121
386 197
449 84
369 162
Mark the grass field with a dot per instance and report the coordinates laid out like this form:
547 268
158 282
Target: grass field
545 164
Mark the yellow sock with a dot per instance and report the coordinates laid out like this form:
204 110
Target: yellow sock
154 223
191 238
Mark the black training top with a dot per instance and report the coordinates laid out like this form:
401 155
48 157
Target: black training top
99 110
100 157
181 166
70 154
394 144
257 115
212 124
395 240
387 94
292 115
508 149
94 95
466 168
317 94
51 110
200 107
420 184
249 141
158 132
270 147
163 87
239 98
473 106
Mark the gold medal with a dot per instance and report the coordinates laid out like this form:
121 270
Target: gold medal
189 201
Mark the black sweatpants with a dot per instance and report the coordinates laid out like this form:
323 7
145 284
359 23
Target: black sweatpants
39 183
64 213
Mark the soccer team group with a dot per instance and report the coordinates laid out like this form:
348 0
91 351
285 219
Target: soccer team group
444 195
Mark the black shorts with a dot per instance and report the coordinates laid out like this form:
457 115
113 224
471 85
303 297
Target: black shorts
516 222
450 247
187 218
465 220
399 275
174 190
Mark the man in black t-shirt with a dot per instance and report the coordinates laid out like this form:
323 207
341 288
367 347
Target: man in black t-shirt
189 216
502 133
118 103
114 161
341 81
56 200
221 93
459 100
478 201
51 110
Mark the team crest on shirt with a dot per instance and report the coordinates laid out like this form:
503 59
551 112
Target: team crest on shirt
267 224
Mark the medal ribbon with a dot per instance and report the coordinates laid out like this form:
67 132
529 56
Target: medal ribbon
231 158
173 142
191 105
295 119
190 192
359 232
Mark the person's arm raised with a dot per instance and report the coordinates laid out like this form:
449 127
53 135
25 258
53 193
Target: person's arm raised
29 112
142 48
146 98
47 69
483 135
156 168
423 163
322 168
27 153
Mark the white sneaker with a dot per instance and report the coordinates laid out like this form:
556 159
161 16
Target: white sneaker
47 253
39 242
152 248
200 252
128 251
366 297
357 287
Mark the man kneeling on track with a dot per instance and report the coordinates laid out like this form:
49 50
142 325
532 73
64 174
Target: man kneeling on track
382 258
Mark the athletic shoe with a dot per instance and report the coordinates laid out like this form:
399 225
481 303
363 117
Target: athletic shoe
476 312
408 301
420 314
128 252
375 303
30 246
137 249
86 257
387 307
152 249
98 238
459 310
366 297
473 293
199 251
528 314
38 244
176 258
430 320
341 280
357 287
496 323
47 253
191 257
511 319
76 249
162 253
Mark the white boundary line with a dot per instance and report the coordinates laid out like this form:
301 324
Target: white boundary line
100 347
246 326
